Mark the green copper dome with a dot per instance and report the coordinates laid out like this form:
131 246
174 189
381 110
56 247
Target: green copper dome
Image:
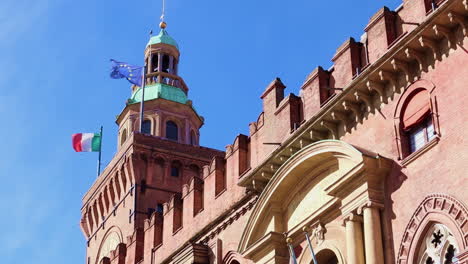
159 90
162 37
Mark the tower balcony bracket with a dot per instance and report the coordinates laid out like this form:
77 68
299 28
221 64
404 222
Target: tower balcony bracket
442 31
426 42
364 97
416 55
355 108
379 88
331 126
399 65
391 78
341 117
459 19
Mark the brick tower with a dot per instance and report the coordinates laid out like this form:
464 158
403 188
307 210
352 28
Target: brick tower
146 177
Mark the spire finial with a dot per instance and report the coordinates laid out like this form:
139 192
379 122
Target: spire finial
163 24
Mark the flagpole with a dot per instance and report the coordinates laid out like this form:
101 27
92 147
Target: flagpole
99 157
142 103
305 229
291 251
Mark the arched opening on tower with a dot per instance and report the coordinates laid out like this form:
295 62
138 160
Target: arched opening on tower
172 131
154 63
165 63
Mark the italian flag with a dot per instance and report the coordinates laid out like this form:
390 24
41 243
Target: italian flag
86 142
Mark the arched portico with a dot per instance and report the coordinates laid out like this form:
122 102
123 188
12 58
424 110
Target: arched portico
322 186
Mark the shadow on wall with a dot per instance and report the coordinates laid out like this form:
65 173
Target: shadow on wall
393 182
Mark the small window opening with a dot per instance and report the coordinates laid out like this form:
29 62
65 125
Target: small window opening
146 127
174 172
175 169
421 134
160 208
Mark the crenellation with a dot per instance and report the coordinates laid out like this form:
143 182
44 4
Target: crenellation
135 246
381 32
290 109
118 255
347 63
197 187
315 91
153 232
273 95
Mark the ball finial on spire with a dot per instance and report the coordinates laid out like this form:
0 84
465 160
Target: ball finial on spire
162 25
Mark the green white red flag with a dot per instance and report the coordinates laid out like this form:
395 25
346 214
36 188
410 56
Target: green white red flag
86 142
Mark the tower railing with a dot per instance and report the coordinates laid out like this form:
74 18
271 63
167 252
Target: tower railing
166 78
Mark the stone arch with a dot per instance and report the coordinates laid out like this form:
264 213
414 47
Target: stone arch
323 169
178 123
232 257
321 251
435 208
420 84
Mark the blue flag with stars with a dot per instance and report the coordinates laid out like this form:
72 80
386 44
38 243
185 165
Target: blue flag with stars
133 74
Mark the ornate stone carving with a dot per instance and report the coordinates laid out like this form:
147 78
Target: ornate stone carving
438 204
318 232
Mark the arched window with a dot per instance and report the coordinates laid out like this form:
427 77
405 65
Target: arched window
123 136
146 127
327 257
416 120
172 131
438 246
193 138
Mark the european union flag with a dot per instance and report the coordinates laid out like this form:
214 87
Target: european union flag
133 74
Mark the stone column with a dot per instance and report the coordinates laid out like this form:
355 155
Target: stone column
171 65
372 233
187 132
354 239
160 58
158 125
149 66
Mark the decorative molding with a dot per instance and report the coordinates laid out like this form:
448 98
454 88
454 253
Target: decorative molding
435 204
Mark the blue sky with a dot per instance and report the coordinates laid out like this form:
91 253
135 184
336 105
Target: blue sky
54 64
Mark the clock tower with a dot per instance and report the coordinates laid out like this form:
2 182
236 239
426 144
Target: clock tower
147 174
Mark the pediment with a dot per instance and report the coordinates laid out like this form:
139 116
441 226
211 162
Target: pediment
313 184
